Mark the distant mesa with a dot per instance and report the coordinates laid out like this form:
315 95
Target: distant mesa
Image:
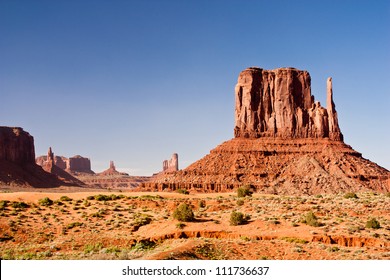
111 171
74 165
285 143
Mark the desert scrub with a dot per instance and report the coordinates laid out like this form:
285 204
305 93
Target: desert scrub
294 240
183 191
3 204
202 204
350 195
143 245
311 220
92 248
45 201
65 198
373 223
244 191
180 225
19 205
184 213
73 225
240 202
238 218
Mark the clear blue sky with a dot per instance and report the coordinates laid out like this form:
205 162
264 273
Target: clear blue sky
135 81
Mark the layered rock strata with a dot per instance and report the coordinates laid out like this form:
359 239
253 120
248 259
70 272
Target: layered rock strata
285 143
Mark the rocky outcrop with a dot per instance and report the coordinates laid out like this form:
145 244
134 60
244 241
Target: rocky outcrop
278 103
172 164
16 145
285 143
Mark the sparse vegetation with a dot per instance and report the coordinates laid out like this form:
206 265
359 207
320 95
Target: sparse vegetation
45 201
19 205
184 213
183 191
237 218
244 191
240 202
311 220
65 198
180 225
350 195
373 223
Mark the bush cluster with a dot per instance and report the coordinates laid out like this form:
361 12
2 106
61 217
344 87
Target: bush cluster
184 213
45 201
350 195
373 223
238 218
311 220
244 191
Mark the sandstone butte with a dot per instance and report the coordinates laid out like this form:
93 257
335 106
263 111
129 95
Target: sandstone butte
17 161
284 143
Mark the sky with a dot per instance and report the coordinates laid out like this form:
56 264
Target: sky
136 81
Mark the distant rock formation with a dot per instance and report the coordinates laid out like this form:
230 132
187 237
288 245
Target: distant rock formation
111 171
285 143
278 103
79 164
172 164
17 161
50 166
76 164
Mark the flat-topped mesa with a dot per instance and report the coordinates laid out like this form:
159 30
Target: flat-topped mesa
278 103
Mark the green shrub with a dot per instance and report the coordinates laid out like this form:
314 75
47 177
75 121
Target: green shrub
202 204
350 195
373 223
311 220
19 205
244 191
184 213
75 224
65 198
3 204
45 201
240 202
237 218
182 191
180 225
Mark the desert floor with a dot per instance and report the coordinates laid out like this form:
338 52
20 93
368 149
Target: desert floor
68 224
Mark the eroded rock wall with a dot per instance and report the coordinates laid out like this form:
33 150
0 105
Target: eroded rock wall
278 103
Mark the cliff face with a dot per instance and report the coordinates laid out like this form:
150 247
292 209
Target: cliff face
278 103
16 145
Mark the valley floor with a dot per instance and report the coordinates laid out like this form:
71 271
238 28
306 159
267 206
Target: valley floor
127 225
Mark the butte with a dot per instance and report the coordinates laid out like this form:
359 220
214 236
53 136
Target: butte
284 143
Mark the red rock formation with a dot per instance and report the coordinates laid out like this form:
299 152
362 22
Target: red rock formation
285 143
172 164
17 161
79 164
16 145
111 171
278 103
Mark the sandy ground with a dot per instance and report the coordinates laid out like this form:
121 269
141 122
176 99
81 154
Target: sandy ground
85 224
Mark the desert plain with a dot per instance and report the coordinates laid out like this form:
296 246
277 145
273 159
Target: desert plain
94 224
